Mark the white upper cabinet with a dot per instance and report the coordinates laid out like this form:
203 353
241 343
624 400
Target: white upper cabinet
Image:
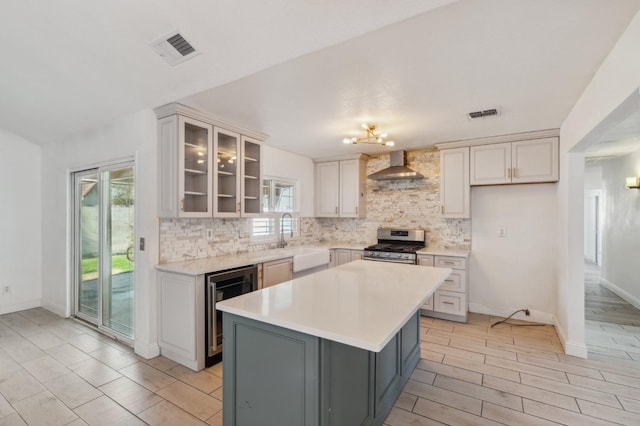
251 179
327 189
491 164
454 183
352 188
535 160
184 167
226 186
526 161
341 188
238 177
205 170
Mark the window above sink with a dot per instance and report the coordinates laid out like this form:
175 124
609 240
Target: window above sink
279 195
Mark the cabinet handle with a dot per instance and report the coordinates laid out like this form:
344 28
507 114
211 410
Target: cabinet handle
509 172
448 303
182 204
442 209
238 208
448 262
448 281
515 172
356 210
336 209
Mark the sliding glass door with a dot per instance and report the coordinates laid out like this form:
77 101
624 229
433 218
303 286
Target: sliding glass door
104 247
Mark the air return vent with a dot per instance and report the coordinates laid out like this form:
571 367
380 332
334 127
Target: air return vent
484 113
174 48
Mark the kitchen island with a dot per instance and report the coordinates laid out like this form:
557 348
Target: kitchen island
335 347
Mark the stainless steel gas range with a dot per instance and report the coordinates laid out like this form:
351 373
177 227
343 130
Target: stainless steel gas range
396 245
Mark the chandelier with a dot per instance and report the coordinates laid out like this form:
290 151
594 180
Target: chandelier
370 137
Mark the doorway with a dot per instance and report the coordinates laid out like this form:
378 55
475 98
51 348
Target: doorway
103 247
593 226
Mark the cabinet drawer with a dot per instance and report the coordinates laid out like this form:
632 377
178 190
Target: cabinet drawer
450 303
457 281
425 260
428 305
451 262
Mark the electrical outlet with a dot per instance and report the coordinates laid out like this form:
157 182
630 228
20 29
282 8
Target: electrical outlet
210 235
502 232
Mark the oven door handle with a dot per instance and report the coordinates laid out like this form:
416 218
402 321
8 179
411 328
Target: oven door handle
211 318
408 262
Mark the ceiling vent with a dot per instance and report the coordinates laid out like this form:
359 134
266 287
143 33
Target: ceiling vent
174 48
493 112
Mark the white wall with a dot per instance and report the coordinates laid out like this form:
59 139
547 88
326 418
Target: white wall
616 79
519 270
132 136
621 228
20 223
279 163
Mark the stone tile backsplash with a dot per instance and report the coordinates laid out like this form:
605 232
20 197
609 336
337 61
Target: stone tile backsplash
405 204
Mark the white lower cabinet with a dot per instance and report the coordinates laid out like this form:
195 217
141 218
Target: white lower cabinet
181 318
450 301
342 256
276 272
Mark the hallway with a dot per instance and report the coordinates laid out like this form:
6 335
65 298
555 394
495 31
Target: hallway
612 324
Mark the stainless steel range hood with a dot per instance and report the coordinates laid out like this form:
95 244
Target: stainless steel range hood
397 169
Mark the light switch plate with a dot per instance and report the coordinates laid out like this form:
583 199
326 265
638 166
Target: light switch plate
502 232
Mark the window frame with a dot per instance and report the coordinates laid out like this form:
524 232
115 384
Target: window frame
277 216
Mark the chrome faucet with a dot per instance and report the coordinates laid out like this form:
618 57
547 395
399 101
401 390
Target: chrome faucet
282 243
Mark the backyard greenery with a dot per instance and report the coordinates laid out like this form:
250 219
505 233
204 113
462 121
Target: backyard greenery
120 263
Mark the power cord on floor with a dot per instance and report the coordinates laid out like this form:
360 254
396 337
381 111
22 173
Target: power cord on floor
526 312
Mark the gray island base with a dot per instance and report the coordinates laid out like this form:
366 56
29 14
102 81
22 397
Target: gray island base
274 376
331 348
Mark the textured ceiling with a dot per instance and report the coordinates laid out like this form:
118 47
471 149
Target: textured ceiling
418 79
307 73
70 65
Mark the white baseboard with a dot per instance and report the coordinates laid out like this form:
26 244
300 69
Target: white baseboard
576 349
15 307
536 316
628 297
147 351
60 310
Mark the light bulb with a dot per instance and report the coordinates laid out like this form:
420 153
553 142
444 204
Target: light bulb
383 135
200 153
200 161
346 141
365 126
389 143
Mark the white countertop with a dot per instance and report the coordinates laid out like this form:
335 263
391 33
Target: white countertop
220 263
361 303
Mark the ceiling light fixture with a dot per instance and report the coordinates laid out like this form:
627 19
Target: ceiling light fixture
370 137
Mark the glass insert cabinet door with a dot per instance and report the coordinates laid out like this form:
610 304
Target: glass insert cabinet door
104 212
227 185
195 174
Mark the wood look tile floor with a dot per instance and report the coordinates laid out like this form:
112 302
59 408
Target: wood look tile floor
59 372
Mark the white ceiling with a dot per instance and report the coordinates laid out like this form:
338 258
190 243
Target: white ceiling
69 65
414 67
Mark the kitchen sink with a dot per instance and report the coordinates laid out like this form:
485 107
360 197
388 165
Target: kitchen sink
310 257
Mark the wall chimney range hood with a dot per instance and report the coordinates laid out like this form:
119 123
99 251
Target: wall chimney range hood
397 169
